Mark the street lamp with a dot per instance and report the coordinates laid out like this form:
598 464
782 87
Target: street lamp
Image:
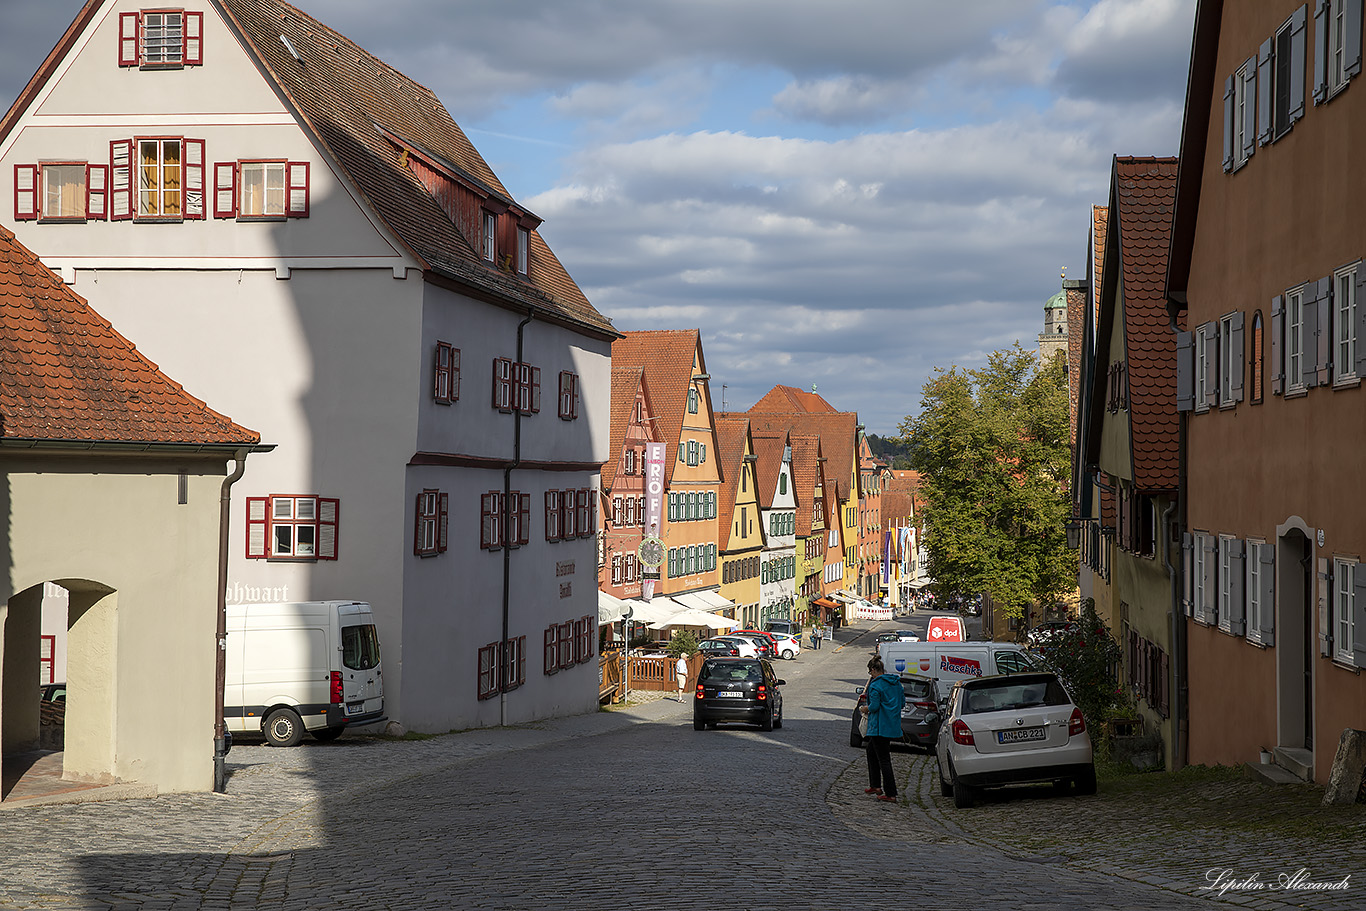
1073 529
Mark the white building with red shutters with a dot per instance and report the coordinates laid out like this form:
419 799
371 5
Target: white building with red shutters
303 236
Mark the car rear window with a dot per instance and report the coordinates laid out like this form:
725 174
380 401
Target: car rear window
360 647
1005 696
728 672
916 687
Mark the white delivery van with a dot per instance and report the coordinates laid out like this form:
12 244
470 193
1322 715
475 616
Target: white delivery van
949 662
306 665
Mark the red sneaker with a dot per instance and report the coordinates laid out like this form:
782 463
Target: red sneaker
886 798
872 790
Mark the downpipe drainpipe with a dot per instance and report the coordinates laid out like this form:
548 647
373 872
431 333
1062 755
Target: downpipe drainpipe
220 670
1176 511
507 545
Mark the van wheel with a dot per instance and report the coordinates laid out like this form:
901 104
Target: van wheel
284 728
327 735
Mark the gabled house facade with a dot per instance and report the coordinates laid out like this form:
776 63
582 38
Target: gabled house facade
622 507
675 372
1131 443
808 479
778 510
1266 270
869 521
740 522
109 472
379 306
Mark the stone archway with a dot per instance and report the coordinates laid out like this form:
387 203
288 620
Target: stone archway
91 647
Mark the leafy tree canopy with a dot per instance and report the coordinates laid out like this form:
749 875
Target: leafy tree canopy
993 451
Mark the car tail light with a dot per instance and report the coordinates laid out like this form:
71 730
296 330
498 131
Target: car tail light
763 693
336 688
927 706
1076 724
962 734
701 692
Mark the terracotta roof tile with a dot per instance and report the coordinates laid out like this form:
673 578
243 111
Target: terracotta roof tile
625 384
1145 193
837 430
790 398
768 451
66 374
348 96
666 358
806 450
731 434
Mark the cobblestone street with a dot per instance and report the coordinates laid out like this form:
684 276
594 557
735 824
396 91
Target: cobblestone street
630 806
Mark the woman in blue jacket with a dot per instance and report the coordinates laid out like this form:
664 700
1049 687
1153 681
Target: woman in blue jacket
883 708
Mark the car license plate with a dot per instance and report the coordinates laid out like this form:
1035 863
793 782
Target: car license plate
730 694
355 708
1021 735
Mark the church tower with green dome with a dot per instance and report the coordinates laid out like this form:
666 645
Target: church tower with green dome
1053 338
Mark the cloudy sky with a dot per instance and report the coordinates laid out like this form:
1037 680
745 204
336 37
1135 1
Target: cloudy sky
845 193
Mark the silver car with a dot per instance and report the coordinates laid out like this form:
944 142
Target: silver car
1003 730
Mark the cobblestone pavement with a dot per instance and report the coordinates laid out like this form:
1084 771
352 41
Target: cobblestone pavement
621 808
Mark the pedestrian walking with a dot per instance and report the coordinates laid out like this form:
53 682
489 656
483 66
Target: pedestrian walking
885 697
681 671
815 636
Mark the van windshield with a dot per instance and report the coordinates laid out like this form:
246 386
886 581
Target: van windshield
360 647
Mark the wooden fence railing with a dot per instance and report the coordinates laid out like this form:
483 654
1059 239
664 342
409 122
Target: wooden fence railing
648 672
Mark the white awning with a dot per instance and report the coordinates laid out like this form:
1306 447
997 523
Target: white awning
921 583
691 616
715 601
610 608
654 610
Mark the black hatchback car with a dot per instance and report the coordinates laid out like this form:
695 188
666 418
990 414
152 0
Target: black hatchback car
738 689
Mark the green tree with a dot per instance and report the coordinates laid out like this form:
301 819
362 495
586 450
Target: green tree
682 642
993 451
1086 655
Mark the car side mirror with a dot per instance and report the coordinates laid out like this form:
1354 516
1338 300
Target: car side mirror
780 681
859 690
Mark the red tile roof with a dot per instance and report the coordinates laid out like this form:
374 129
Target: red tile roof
666 358
897 504
806 471
790 398
1142 195
768 451
625 383
838 432
67 375
346 95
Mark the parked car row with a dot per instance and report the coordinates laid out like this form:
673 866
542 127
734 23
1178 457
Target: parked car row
751 643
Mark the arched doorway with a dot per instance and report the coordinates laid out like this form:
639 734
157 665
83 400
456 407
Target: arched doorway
1294 636
86 748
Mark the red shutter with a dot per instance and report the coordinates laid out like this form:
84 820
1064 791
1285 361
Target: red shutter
523 518
96 191
566 640
225 189
442 521
552 515
296 202
194 39
329 511
121 180
128 39
417 527
194 179
551 650
258 530
455 374
574 401
535 390
588 624
441 376
520 674
25 192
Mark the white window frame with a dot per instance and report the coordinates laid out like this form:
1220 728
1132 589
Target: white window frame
1344 603
162 43
1294 344
1224 582
273 179
1337 65
1240 103
1199 596
293 516
158 189
1202 390
523 251
490 239
47 171
1344 325
1252 589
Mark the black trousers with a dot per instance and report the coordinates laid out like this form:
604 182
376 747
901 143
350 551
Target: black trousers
880 773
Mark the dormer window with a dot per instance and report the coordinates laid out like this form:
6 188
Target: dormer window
523 251
490 236
161 38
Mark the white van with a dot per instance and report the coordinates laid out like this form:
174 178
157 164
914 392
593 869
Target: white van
949 662
307 665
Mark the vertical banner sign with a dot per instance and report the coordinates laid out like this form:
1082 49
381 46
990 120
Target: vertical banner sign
654 502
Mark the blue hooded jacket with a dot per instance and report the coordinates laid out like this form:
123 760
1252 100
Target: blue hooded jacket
885 699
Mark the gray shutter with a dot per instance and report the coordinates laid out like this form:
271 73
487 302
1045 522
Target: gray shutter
1324 340
1321 51
1325 600
1309 330
1266 621
1266 82
1249 107
1187 561
1210 341
1359 330
1236 356
1299 21
1237 600
1208 581
1185 369
1351 42
1228 124
1359 615
1277 344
